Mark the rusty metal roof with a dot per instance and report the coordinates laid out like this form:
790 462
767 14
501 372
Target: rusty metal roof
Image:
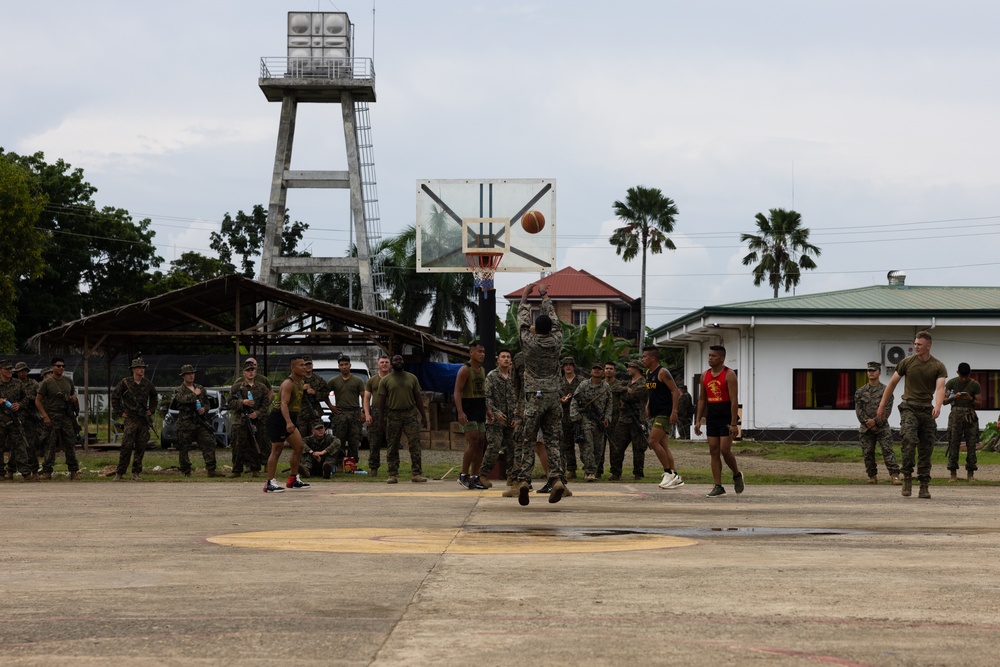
232 310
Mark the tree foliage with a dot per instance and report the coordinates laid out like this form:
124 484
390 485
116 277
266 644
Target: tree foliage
781 249
93 259
243 237
21 204
648 216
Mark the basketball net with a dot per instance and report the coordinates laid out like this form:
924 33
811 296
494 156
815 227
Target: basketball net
484 265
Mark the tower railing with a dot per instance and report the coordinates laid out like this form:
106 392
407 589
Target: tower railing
333 69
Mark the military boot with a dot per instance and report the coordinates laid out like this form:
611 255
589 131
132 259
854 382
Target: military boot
907 485
873 479
924 491
954 476
971 477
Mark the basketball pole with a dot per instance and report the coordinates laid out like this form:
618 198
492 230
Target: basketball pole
488 326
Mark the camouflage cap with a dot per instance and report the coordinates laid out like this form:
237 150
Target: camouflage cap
249 364
318 424
6 364
635 364
47 372
308 358
567 360
20 366
597 366
874 366
138 363
187 368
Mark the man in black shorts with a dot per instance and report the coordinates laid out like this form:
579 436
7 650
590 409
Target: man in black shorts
281 427
718 403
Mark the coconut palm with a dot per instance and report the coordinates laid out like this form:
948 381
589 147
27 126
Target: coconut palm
648 218
781 250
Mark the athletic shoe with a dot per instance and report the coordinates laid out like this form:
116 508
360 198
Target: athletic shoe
678 482
271 487
475 484
523 494
668 480
463 479
296 483
716 491
739 483
546 488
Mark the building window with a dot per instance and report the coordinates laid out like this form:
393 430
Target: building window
990 383
824 389
580 317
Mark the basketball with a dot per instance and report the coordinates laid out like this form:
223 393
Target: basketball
533 222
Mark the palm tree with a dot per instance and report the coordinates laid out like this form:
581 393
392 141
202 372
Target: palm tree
781 249
648 218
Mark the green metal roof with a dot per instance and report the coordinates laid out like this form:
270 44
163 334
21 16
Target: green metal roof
874 301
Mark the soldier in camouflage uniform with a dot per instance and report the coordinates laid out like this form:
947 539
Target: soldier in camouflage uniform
347 418
629 428
376 438
135 399
569 380
501 415
541 344
314 396
57 404
319 452
685 413
963 395
30 420
617 388
923 396
193 427
591 410
249 398
13 437
873 430
399 403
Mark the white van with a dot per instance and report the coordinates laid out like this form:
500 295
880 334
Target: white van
329 369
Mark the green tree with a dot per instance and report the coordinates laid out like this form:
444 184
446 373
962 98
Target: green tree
781 249
593 342
93 259
648 218
243 236
21 203
189 269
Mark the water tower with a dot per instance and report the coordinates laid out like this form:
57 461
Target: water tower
320 68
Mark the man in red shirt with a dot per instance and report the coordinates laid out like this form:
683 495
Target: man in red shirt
718 403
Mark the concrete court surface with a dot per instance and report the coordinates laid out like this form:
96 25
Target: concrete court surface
371 574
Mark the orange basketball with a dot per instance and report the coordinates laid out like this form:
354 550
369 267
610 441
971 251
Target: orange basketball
533 222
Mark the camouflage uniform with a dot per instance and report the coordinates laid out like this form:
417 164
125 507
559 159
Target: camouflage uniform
193 429
629 429
568 446
500 398
11 429
328 447
600 447
346 423
685 415
963 423
542 408
133 400
56 399
917 428
312 406
866 401
376 438
248 452
591 401
403 419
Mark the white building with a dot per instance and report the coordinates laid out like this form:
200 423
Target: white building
799 359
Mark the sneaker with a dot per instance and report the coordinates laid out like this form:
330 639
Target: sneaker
523 494
271 487
678 482
463 479
558 489
391 479
739 483
296 483
475 484
717 491
546 488
418 479
668 480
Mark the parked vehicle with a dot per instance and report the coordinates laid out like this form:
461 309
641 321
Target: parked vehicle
217 414
330 368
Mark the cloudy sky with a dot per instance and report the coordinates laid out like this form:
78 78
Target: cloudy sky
877 120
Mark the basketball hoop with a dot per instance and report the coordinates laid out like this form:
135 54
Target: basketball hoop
483 264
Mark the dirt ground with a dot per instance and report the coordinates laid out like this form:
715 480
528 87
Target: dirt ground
211 573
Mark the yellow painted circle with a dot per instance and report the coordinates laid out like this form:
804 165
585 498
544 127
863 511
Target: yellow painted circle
446 540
